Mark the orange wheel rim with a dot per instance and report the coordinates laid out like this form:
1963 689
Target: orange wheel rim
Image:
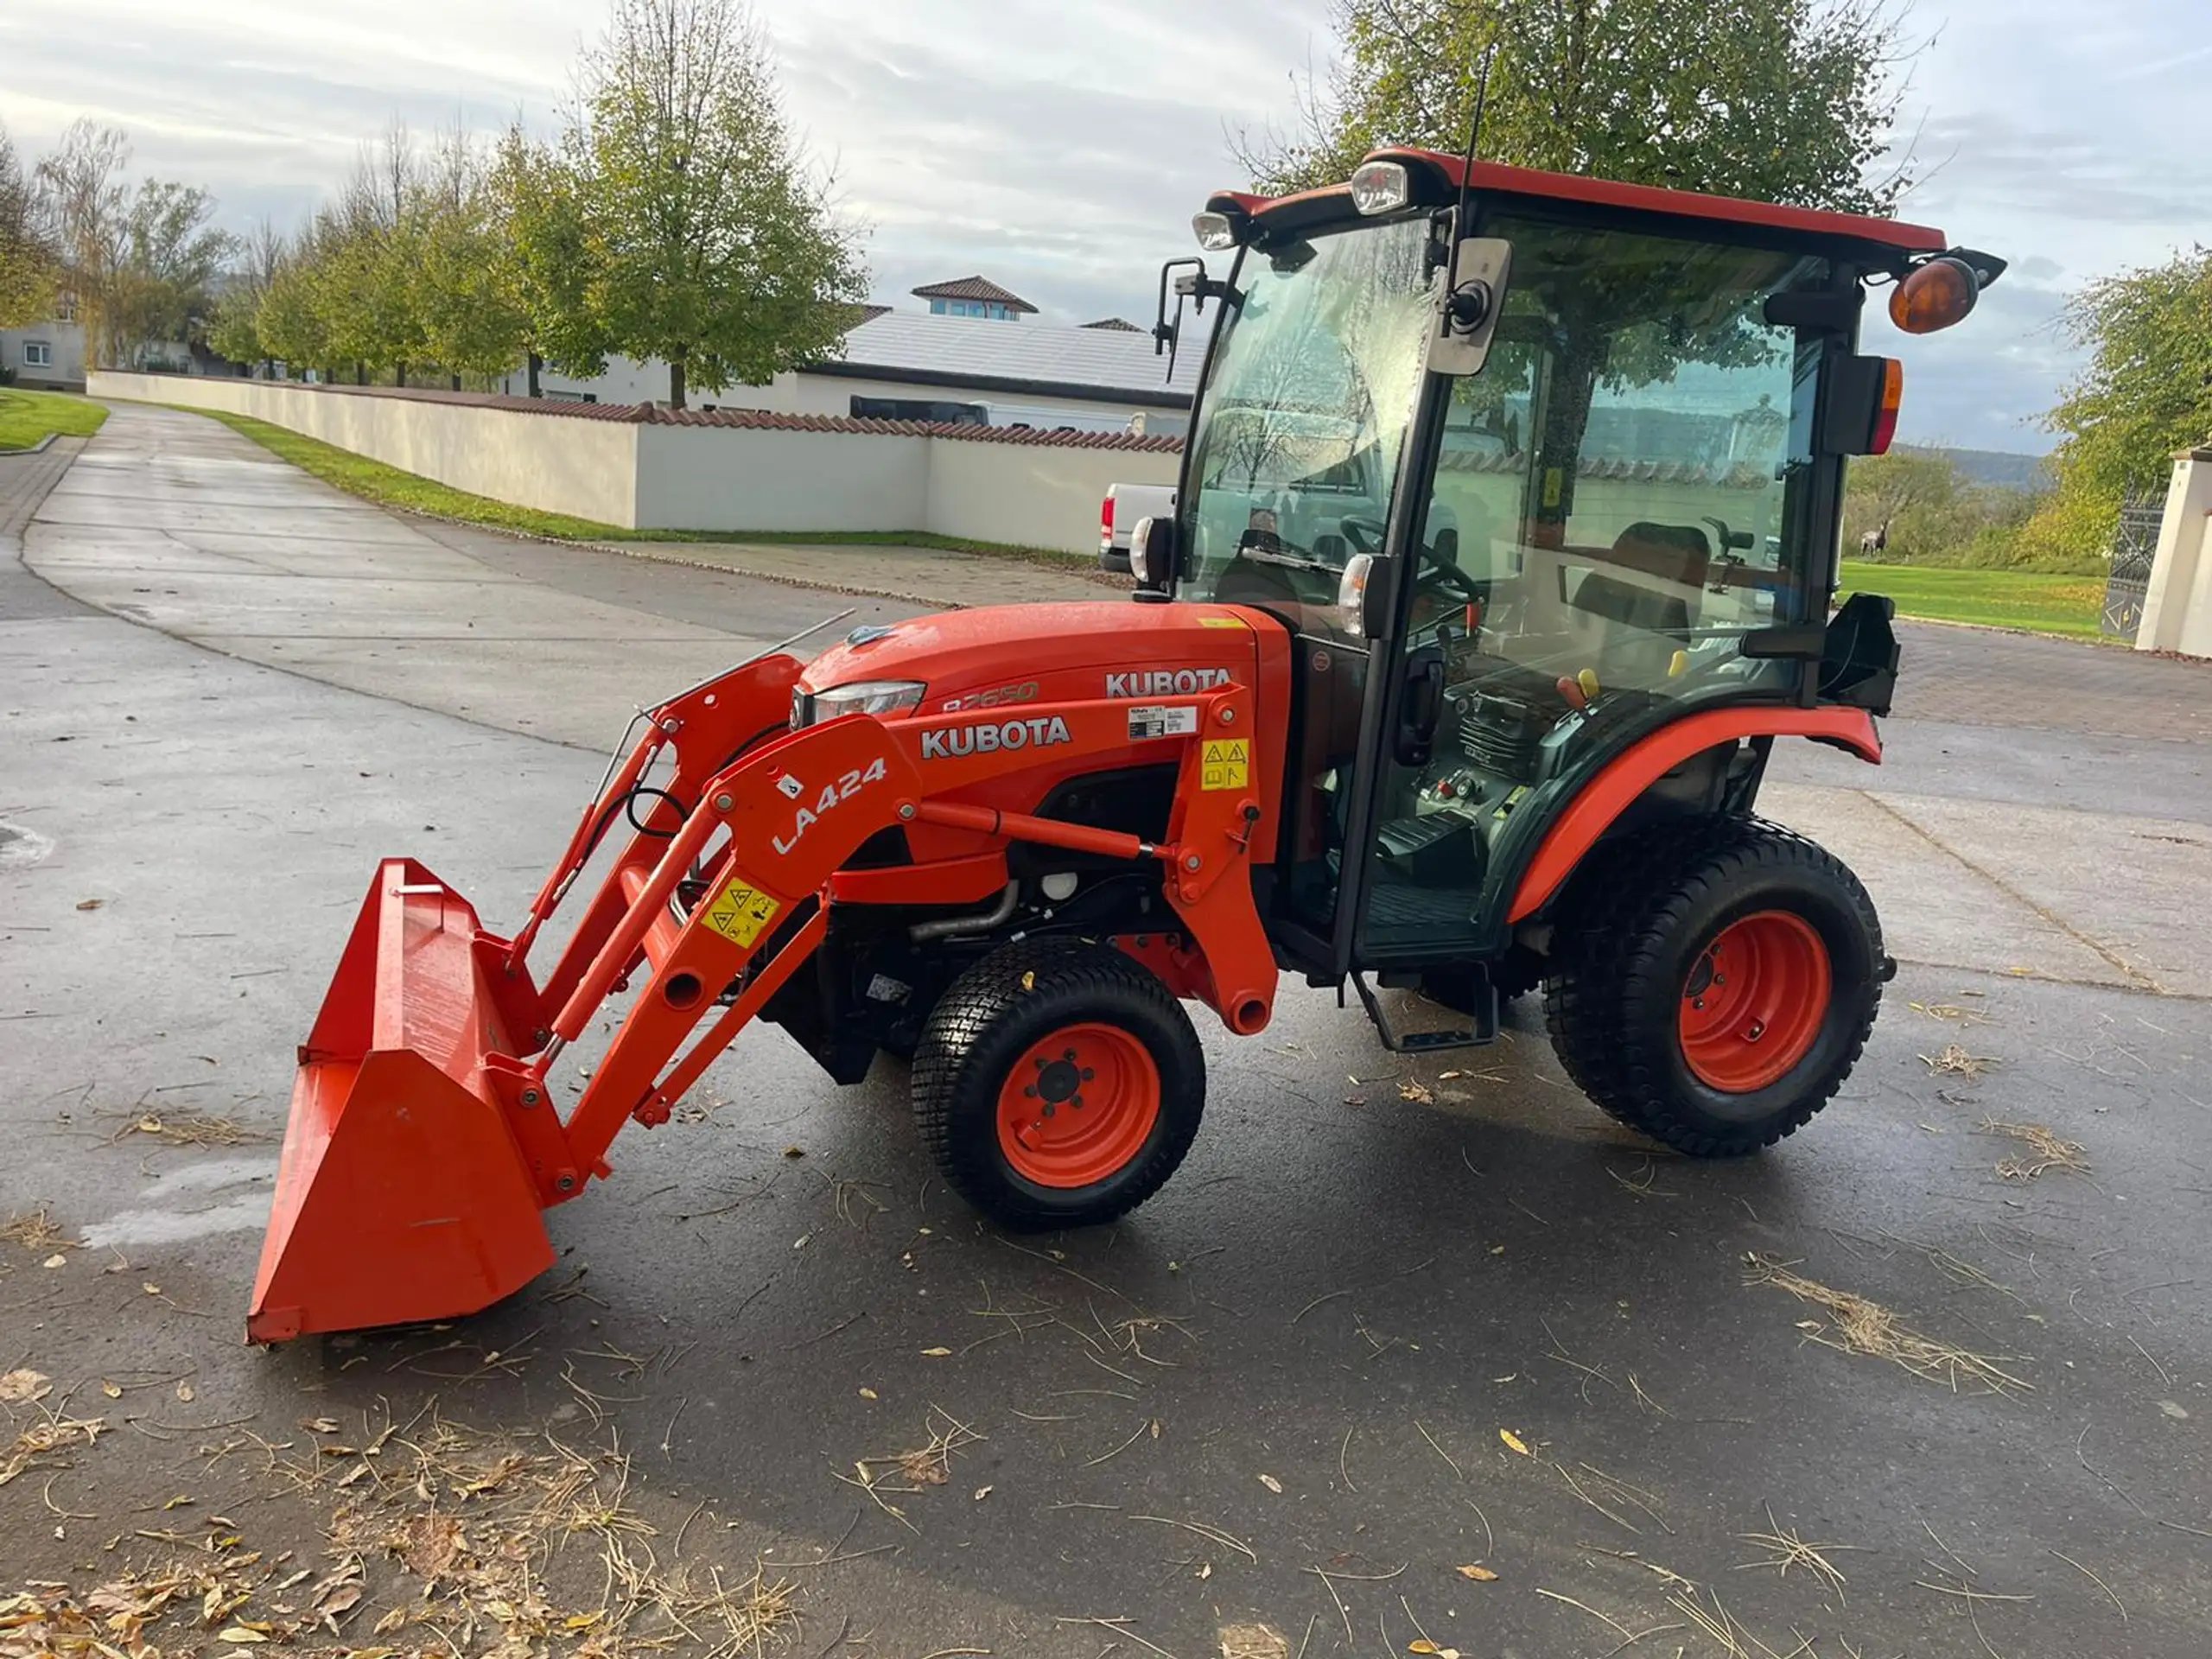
1079 1106
1755 1001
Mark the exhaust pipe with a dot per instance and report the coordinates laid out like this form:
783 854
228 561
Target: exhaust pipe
951 927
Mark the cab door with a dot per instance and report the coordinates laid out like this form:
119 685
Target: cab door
1588 532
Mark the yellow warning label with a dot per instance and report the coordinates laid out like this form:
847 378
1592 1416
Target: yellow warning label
1220 622
742 912
1226 765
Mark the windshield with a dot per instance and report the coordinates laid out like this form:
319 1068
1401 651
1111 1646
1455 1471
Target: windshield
1304 412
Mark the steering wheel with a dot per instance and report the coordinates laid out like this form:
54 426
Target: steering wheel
1365 535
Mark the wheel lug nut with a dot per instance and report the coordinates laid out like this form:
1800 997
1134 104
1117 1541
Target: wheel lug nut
1048 1109
1696 1002
1076 1102
1031 1092
1088 1074
1069 1056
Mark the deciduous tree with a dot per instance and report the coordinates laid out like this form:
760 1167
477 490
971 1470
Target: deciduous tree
1781 100
712 242
2145 393
30 265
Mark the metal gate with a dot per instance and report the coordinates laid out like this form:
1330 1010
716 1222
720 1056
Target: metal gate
2134 551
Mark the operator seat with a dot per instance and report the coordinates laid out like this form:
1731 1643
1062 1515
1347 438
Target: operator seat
1635 622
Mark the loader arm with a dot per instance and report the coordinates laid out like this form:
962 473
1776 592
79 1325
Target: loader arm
424 1145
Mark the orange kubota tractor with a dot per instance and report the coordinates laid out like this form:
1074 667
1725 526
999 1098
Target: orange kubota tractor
1504 549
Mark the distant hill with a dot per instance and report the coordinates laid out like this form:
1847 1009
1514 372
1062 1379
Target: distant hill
1998 468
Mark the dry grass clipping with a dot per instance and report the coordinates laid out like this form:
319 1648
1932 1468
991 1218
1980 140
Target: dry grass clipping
187 1128
1955 1061
1862 1326
45 1438
2049 1151
37 1232
1785 1549
521 1548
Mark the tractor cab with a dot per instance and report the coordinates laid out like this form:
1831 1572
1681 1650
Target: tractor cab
1532 469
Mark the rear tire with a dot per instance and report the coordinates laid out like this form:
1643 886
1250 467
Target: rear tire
1057 1084
1712 988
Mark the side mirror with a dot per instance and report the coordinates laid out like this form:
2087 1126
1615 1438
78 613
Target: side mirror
1155 556
1469 302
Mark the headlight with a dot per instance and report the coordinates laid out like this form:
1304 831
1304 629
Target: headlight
1217 232
1380 187
882 698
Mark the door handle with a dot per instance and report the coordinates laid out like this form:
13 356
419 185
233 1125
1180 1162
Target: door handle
1420 709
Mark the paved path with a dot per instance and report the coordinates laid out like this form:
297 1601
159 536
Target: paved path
1273 1397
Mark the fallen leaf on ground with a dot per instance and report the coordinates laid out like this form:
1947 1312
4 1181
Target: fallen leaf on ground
936 1353
239 1633
982 1492
1271 1483
184 1392
1514 1443
90 904
113 1391
56 1260
1413 1089
867 1393
1479 1574
392 1620
20 1388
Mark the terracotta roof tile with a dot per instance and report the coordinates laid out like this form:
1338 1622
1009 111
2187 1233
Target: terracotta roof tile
974 288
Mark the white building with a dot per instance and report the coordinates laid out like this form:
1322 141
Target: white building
971 359
46 356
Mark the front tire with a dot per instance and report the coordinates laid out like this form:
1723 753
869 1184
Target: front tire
1720 1000
1057 1084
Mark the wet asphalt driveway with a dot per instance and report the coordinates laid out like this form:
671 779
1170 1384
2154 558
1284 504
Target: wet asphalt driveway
1394 1328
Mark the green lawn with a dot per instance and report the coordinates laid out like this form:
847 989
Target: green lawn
388 486
27 416
1998 599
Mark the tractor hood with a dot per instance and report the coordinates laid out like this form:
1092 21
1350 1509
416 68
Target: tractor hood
1005 656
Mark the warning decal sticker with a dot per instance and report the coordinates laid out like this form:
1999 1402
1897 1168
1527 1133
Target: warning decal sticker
1226 765
741 912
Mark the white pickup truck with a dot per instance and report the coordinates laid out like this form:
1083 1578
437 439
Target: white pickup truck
1118 516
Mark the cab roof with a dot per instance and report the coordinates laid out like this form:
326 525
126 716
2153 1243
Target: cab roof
1437 177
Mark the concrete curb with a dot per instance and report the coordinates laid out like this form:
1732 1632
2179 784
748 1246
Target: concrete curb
38 449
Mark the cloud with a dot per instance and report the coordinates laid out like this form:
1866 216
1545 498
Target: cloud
1060 146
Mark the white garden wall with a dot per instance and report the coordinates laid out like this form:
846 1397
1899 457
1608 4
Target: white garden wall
662 475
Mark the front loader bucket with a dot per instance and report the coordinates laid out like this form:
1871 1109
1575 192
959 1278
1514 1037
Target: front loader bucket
402 1194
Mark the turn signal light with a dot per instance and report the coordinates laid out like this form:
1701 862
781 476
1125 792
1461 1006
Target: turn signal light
1885 418
1935 296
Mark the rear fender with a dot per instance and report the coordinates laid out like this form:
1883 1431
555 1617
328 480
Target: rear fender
1585 820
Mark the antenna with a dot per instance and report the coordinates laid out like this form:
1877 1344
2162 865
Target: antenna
1461 227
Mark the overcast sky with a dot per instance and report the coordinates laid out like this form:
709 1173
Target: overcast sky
1059 146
